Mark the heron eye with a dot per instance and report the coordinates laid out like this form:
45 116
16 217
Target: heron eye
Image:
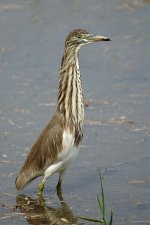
79 35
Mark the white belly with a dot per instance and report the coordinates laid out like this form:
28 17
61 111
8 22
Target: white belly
69 151
68 154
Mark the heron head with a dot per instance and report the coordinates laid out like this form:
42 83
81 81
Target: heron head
80 37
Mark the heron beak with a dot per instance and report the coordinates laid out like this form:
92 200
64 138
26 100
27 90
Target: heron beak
95 38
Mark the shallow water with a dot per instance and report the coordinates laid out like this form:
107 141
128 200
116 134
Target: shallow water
115 80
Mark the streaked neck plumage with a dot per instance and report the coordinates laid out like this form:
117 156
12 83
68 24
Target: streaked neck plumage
70 96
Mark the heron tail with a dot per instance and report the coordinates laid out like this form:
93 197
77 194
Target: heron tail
24 178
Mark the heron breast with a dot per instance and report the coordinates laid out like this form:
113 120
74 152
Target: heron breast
69 151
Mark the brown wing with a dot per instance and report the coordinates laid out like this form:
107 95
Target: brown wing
43 153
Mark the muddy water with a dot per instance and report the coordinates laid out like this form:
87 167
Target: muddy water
116 83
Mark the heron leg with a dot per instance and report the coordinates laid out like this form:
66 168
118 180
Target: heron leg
41 187
59 184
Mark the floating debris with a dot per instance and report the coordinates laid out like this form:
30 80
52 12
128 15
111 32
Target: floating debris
90 101
47 104
22 110
4 7
139 181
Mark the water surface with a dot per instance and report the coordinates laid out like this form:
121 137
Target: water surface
115 81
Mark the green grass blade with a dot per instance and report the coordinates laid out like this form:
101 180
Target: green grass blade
99 204
111 218
91 220
102 194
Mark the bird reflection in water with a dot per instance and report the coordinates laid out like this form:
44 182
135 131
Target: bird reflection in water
37 212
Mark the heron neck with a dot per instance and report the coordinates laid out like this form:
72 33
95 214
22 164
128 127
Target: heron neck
70 96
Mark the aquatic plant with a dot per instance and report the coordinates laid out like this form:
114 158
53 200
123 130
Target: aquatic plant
101 205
